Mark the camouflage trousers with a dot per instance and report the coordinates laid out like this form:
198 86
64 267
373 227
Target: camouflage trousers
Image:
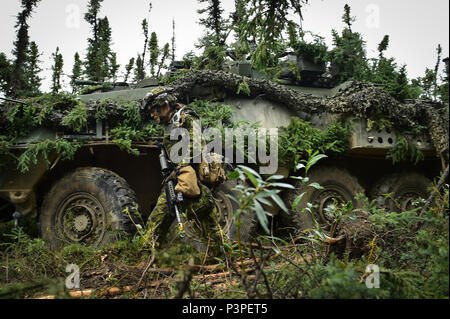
199 216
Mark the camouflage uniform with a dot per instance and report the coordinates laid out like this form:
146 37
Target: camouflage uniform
199 213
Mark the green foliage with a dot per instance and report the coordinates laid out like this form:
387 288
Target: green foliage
153 129
76 120
33 70
404 150
154 52
76 72
213 114
260 27
300 136
139 71
25 117
5 73
418 259
99 63
349 56
259 192
43 150
57 69
379 123
338 279
124 136
19 84
243 87
5 155
213 42
128 69
74 253
104 87
132 113
314 51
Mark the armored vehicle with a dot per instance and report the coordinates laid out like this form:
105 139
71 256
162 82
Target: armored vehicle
95 195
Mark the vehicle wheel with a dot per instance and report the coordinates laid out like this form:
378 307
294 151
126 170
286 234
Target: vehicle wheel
226 209
338 185
405 187
87 206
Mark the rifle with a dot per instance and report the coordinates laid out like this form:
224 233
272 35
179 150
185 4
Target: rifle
172 198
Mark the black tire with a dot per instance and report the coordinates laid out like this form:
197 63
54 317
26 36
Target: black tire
404 188
87 206
338 184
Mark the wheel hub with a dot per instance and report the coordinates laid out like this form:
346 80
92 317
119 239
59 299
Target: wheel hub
81 218
331 195
406 199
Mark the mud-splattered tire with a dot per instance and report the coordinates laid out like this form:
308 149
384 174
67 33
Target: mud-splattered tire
88 206
403 187
338 184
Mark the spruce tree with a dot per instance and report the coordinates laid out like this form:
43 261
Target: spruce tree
114 67
144 26
128 69
139 72
347 17
173 40
164 56
105 53
349 53
99 53
260 26
93 58
383 46
444 87
436 72
76 72
19 83
427 84
213 42
154 52
33 70
57 69
5 73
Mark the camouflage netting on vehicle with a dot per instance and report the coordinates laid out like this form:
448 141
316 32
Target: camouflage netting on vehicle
364 100
361 100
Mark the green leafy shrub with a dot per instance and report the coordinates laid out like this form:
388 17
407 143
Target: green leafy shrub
404 150
300 136
76 120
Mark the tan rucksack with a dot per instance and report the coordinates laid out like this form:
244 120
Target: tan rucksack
187 182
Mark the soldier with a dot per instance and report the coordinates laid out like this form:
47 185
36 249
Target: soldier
198 207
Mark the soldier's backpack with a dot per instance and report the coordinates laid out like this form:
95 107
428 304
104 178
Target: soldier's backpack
211 170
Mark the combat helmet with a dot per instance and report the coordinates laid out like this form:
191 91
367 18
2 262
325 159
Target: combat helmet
160 96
